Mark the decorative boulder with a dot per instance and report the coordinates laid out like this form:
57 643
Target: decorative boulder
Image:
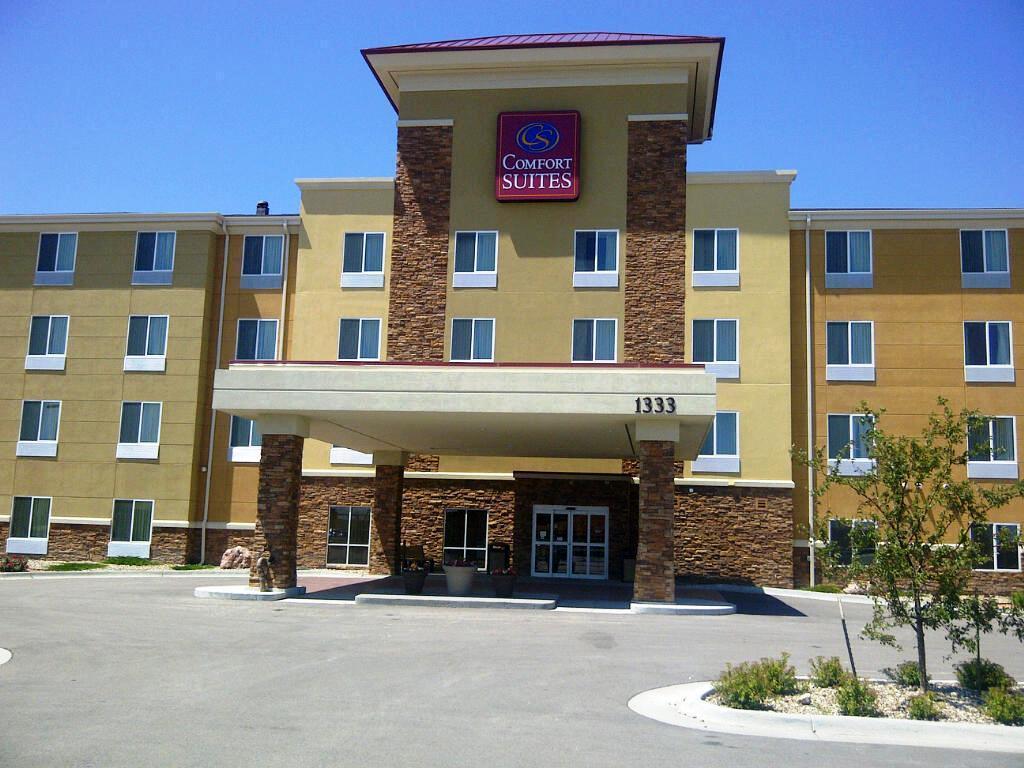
236 557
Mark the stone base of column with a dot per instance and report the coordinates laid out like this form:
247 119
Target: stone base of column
277 509
386 528
655 580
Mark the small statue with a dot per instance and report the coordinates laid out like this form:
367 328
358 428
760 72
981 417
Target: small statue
263 572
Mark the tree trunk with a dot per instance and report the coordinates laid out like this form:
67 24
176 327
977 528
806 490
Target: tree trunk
922 666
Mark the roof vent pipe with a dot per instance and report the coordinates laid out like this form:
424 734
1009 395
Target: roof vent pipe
262 208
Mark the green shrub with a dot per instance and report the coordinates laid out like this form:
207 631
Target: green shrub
856 698
748 685
982 674
75 566
1017 600
924 706
828 672
1005 706
125 560
192 567
906 673
831 589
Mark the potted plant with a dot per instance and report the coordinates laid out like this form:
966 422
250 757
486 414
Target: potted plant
504 581
460 575
414 576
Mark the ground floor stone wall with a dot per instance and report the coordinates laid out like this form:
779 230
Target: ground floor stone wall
219 540
74 542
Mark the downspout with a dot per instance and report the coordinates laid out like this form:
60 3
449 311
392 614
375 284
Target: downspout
810 392
213 413
284 294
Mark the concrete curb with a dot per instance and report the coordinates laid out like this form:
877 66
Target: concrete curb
692 607
440 601
245 592
99 573
780 592
685 706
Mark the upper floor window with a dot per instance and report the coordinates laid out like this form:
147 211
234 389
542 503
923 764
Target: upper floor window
56 264
594 340
131 528
139 436
847 443
849 351
848 261
47 343
154 258
29 528
596 258
362 263
359 338
147 343
716 344
988 351
40 422
984 258
720 451
999 544
472 340
257 340
246 440
991 448
716 257
262 258
476 260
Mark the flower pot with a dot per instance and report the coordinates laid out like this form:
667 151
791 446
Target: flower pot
414 581
504 584
460 579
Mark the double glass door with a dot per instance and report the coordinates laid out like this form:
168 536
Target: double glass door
570 542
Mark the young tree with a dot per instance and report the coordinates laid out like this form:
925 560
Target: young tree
910 544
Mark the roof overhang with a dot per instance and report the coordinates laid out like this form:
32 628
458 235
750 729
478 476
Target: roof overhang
475 410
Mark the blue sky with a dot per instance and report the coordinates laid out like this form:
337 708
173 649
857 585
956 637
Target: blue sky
210 106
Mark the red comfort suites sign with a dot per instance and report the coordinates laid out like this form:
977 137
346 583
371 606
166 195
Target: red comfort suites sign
538 156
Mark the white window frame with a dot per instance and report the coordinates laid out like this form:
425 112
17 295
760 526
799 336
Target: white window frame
995 548
850 279
262 280
154 276
342 455
472 339
989 372
597 278
850 371
593 329
147 362
854 465
38 448
992 468
243 454
29 545
715 278
465 529
719 462
987 278
238 336
131 548
56 276
723 369
853 524
348 547
478 278
139 449
363 278
47 361
359 339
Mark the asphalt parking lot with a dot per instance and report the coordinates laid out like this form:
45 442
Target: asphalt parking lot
137 672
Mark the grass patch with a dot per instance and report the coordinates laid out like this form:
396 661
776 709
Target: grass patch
831 589
192 567
75 566
123 560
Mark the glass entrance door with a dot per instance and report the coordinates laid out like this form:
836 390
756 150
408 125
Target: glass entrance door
570 542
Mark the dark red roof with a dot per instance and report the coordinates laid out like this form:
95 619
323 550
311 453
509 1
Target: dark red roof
543 41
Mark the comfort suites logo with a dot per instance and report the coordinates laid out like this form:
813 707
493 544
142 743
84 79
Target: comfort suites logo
538 156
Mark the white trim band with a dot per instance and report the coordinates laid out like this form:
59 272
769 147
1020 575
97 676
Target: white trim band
676 116
439 121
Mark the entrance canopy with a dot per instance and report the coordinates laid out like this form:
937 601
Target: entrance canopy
582 411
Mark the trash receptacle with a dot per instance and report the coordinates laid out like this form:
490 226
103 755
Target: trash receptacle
498 556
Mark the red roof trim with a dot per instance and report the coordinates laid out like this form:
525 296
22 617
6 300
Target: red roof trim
449 364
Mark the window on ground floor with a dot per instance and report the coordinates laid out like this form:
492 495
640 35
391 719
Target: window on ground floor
30 517
348 536
465 536
999 544
132 520
852 539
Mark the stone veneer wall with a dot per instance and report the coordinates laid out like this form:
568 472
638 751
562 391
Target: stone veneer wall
655 571
386 519
277 506
71 541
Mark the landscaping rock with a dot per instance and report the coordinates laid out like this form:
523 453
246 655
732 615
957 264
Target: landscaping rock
855 588
236 557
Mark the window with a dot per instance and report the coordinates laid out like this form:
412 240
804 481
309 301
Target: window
465 536
849 351
348 536
342 455
140 431
47 343
40 422
988 351
716 257
29 528
257 340
246 440
847 443
362 264
848 260
716 344
131 528
594 340
999 544
472 340
56 263
147 343
852 539
359 339
476 260
984 259
261 261
991 445
154 258
720 450
596 259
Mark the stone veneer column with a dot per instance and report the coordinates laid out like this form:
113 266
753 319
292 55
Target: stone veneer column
655 558
386 520
277 507
655 242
